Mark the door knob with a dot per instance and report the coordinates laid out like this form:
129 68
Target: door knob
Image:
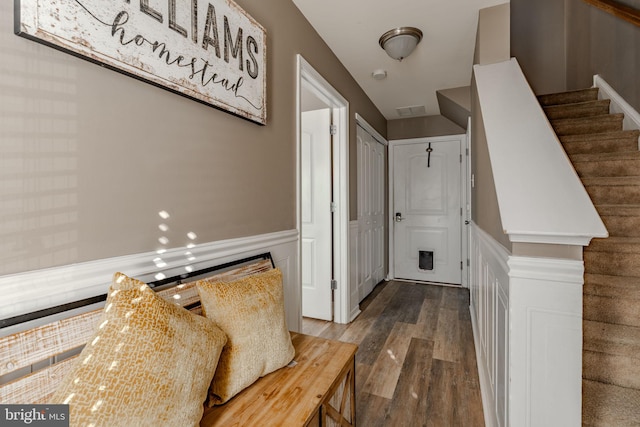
399 217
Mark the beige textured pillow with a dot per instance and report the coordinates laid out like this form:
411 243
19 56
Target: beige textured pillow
251 312
149 363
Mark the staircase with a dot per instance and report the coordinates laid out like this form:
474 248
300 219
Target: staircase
608 161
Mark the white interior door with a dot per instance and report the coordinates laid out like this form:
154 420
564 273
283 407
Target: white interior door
371 198
365 220
427 210
379 160
316 214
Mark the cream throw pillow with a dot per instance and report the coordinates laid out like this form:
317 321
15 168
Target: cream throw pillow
251 312
149 363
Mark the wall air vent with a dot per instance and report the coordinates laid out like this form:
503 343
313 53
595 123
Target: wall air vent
414 110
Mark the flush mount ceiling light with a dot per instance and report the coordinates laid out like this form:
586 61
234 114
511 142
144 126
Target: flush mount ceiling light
400 42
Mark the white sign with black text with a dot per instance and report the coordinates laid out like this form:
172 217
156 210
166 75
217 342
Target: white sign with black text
211 51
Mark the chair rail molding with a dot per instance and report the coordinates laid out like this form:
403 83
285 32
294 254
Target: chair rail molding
35 290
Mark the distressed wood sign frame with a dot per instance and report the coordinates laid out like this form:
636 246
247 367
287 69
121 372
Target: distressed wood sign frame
208 50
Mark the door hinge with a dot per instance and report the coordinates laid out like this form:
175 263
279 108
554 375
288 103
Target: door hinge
460 211
334 207
461 268
334 285
333 129
460 158
468 262
466 151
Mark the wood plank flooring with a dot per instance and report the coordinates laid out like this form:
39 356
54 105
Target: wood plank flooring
416 363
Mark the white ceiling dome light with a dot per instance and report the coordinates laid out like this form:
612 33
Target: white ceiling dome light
400 42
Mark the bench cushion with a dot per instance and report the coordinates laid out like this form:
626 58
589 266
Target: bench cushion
251 312
149 363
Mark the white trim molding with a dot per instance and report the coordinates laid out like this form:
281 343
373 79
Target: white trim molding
536 206
526 315
618 104
309 77
35 290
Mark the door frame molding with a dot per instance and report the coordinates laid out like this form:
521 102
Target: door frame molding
464 248
308 77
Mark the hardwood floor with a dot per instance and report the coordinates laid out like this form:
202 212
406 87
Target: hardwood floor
416 363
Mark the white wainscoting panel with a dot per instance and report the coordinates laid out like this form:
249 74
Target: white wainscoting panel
527 323
35 290
489 291
546 341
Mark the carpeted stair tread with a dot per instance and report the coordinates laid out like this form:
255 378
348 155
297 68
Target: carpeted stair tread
627 245
581 125
613 190
594 157
621 220
612 181
623 371
611 263
579 109
609 338
626 140
621 210
604 285
607 164
610 310
611 353
609 405
570 97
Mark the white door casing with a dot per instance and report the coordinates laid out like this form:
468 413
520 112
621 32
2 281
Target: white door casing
427 210
316 242
309 78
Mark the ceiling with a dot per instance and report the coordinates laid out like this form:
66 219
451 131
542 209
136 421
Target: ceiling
442 60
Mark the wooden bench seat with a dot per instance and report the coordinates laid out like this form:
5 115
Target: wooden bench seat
318 390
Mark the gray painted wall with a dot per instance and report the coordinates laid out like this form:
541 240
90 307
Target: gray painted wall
562 44
89 156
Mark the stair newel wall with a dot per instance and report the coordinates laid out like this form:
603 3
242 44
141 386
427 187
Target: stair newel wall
526 296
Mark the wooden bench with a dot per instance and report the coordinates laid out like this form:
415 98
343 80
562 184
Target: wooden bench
317 389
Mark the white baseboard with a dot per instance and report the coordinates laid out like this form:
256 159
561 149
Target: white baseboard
35 290
618 104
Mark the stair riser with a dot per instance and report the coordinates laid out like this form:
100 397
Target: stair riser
611 310
606 146
627 226
614 195
622 371
612 264
594 126
627 167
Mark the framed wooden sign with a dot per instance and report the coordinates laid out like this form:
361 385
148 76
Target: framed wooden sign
211 51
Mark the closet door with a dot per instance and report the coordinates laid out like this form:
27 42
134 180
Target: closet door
371 208
378 161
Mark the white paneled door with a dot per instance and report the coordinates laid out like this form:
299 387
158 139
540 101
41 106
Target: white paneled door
316 214
427 210
371 204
